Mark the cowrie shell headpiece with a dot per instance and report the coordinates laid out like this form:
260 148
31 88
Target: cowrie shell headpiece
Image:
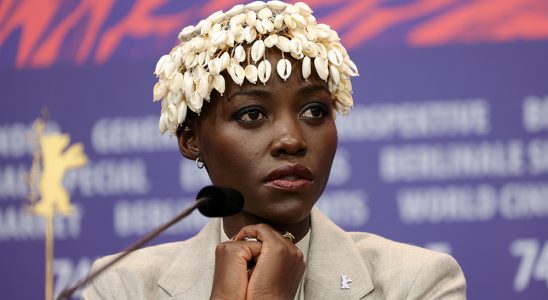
236 41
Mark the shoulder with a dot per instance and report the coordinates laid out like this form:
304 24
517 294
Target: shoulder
134 275
148 272
415 272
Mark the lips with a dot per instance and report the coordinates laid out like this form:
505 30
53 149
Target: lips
290 176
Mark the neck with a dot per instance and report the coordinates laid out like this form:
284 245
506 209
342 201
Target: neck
233 224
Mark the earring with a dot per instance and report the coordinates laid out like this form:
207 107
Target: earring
199 163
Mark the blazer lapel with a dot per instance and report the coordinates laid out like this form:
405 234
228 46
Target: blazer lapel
191 274
333 254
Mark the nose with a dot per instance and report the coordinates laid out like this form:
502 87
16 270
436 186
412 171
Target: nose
289 139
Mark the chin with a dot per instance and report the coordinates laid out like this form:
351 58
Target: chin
283 213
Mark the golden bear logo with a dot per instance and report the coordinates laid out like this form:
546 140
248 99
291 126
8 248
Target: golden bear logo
56 161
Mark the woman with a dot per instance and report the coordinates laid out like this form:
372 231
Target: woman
271 135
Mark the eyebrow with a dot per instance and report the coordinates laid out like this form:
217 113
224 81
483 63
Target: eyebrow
249 92
310 88
307 89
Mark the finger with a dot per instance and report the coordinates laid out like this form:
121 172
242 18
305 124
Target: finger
231 268
262 232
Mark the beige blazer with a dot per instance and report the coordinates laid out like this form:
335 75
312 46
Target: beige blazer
379 268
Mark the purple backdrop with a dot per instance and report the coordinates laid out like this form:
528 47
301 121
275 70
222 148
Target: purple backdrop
447 146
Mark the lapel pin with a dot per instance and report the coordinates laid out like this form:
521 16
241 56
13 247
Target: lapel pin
345 281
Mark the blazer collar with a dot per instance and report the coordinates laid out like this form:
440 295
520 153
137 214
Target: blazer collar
191 272
332 254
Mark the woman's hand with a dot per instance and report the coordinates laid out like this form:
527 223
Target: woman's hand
279 266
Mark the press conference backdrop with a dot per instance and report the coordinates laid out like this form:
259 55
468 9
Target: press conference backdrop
446 147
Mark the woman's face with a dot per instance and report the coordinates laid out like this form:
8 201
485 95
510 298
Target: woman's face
274 143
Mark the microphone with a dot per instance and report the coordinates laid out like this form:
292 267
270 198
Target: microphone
221 201
211 201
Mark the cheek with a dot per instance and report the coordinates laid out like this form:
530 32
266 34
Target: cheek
230 154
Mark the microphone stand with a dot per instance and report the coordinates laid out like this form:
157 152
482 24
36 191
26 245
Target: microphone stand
67 292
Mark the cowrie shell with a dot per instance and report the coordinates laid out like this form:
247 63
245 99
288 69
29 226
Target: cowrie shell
161 64
239 53
335 57
278 21
206 26
322 50
176 82
237 20
310 33
186 33
259 27
181 112
237 9
299 20
201 58
188 84
178 57
271 40
283 44
250 34
264 13
251 73
276 5
216 17
169 68
250 18
265 69
310 49
189 59
304 9
320 64
202 86
353 67
289 22
345 98
159 90
214 66
255 5
176 97
284 68
321 33
214 29
198 28
225 60
230 38
240 37
162 123
195 103
237 73
306 67
257 50
267 25
219 84
198 44
335 76
218 39
171 113
295 46
291 9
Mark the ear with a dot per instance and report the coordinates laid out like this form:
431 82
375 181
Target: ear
188 143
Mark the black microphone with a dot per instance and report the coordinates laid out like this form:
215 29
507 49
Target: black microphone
221 201
211 201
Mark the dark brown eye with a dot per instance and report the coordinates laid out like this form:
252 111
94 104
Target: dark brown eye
251 114
315 111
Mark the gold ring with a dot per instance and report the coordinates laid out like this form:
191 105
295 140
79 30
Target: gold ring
288 235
